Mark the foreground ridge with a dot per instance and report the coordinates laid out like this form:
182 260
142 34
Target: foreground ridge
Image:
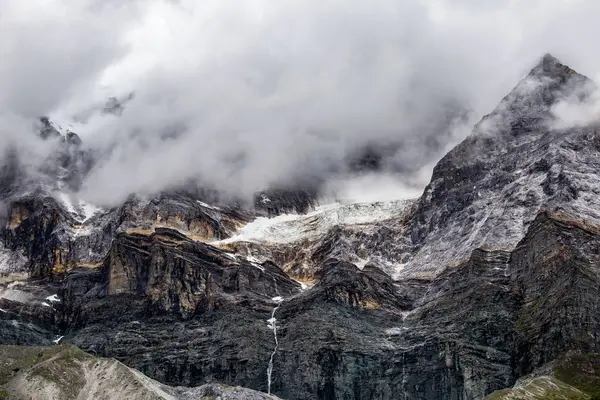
67 372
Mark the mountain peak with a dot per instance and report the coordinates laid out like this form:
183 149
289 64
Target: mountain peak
550 67
549 59
546 84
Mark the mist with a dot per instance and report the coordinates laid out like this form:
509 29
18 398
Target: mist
246 95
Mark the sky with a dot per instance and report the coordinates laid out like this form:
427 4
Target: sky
248 94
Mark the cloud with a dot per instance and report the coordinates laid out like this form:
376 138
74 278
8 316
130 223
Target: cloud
247 94
581 108
50 50
577 113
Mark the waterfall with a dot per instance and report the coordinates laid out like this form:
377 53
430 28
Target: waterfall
272 324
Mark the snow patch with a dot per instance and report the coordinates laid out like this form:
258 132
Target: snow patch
81 210
66 125
207 205
46 304
11 261
394 331
57 340
16 295
304 286
62 127
360 263
53 298
264 199
81 231
255 262
258 266
253 259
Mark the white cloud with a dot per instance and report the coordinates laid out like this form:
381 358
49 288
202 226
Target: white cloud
578 110
261 91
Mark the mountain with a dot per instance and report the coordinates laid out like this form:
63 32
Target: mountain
488 190
486 285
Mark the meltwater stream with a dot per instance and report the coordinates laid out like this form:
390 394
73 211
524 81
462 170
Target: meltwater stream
272 324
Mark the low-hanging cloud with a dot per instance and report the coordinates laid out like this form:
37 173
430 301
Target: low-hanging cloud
49 51
246 94
580 109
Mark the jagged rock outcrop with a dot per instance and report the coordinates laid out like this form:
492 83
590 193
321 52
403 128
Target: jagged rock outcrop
53 235
191 297
285 201
30 230
558 288
184 212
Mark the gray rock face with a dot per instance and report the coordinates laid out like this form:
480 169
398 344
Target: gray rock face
284 201
185 213
461 336
491 275
487 190
558 289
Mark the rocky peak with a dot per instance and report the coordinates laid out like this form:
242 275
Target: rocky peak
48 130
550 67
488 189
73 139
530 102
115 105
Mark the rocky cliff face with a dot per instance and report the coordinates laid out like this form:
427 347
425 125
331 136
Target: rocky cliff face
487 190
490 276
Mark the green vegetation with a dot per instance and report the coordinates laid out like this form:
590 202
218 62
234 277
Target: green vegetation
60 365
540 388
576 376
64 370
581 371
19 358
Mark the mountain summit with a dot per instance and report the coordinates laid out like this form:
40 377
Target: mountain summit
550 67
488 189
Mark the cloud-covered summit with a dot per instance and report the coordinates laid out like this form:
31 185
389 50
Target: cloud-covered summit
251 94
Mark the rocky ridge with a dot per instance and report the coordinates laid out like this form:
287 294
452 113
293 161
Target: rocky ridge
66 372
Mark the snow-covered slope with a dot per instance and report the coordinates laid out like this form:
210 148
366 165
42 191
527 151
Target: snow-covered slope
300 242
79 209
291 228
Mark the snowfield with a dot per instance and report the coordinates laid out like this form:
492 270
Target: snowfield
292 228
